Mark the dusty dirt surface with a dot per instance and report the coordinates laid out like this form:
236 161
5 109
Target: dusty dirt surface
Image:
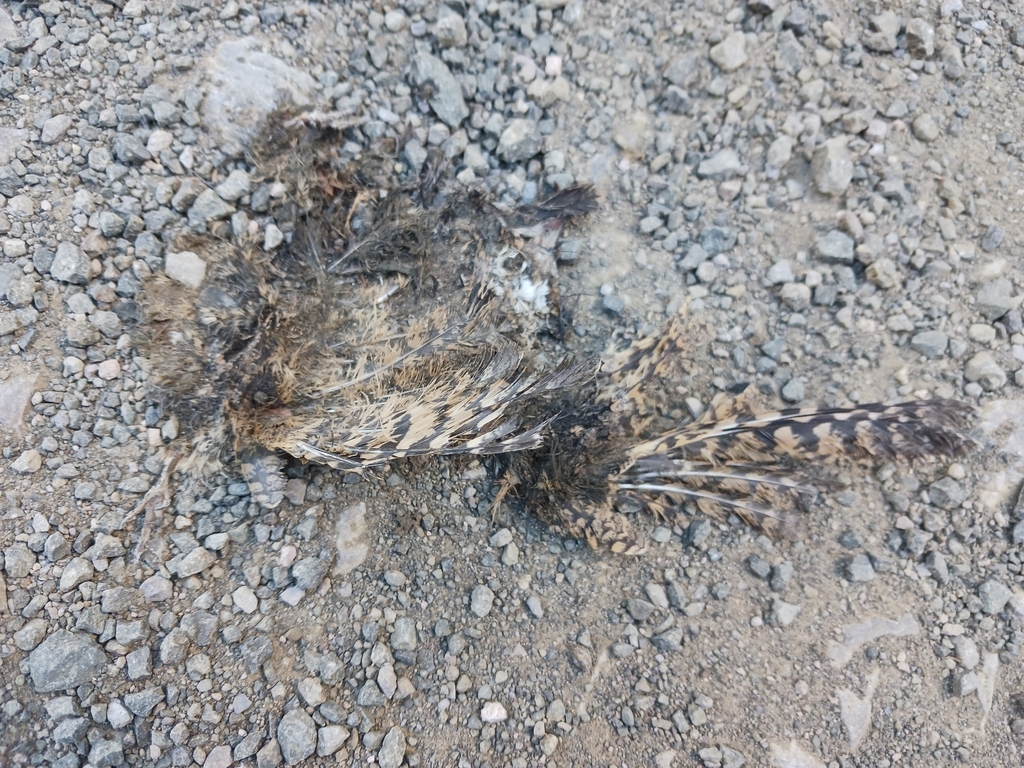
835 190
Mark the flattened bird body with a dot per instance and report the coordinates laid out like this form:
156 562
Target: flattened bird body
387 328
383 330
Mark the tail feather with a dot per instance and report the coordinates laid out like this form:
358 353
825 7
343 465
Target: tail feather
758 466
730 431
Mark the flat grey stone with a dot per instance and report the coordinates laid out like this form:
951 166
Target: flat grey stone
929 343
779 153
235 186
695 256
683 72
143 702
860 569
992 239
721 166
245 84
946 493
111 225
994 597
781 272
920 39
255 651
794 389
208 207
520 141
370 695
835 247
106 753
392 749
71 730
70 265
669 640
129 149
269 755
65 660
186 268
782 613
54 129
18 561
966 683
447 100
329 740
174 646
715 239
196 561
993 299
404 636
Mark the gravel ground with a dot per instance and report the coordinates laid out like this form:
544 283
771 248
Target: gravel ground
834 187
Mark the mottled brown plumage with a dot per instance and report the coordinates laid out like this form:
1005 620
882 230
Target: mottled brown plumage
398 322
384 329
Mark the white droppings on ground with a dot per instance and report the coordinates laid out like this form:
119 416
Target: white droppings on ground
794 756
856 711
857 635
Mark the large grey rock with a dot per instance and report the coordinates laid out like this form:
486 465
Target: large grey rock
481 600
55 128
392 750
946 493
129 148
70 265
929 343
143 702
245 85
446 99
296 733
925 128
832 167
984 369
885 27
106 753
779 153
186 268
683 72
730 54
993 299
835 247
920 39
993 597
519 141
65 660
721 166
208 207
236 185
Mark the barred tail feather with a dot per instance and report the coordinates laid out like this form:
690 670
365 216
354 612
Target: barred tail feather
910 430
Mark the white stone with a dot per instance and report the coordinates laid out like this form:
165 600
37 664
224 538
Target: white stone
186 268
28 463
245 599
730 54
493 712
159 140
272 237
